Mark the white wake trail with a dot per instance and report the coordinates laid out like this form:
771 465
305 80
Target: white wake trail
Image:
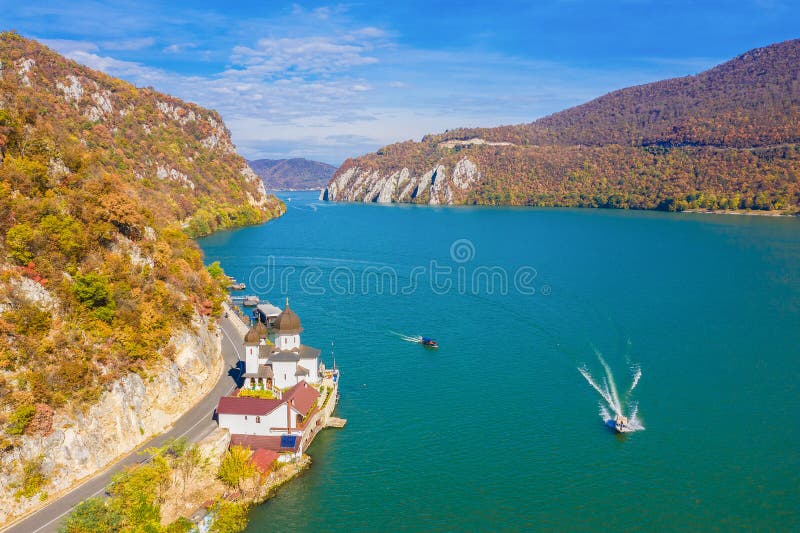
406 338
617 405
606 396
637 374
607 389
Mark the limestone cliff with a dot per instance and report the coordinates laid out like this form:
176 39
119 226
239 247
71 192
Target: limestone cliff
105 300
435 186
82 442
727 138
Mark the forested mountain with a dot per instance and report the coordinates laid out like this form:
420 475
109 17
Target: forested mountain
297 173
102 184
728 138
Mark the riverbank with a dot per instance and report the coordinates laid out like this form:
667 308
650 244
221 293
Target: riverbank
744 212
204 491
196 499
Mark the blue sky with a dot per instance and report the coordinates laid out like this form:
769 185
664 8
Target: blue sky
334 80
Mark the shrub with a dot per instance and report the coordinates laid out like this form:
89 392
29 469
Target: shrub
32 479
20 419
229 517
93 514
236 467
18 241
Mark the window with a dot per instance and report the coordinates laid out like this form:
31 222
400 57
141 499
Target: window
258 420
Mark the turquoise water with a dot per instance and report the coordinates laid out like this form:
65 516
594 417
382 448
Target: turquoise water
497 430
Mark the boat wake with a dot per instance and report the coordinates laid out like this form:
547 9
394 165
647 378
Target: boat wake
611 406
407 338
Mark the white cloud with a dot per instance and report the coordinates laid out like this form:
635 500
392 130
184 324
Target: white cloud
321 86
302 54
178 48
129 44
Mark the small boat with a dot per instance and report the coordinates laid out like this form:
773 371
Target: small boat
250 301
238 286
428 342
619 424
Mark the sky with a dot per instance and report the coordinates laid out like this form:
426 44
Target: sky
328 81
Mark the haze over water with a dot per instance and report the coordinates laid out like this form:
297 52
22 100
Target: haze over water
498 429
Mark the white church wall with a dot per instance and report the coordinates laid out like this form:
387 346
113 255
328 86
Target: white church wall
251 359
283 373
312 365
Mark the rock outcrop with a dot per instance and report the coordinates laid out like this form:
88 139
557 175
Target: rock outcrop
727 138
435 186
134 409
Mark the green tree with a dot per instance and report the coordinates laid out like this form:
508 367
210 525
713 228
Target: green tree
236 467
20 419
94 291
18 241
216 272
229 517
136 494
181 525
93 515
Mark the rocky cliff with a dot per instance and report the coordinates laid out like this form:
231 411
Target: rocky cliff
105 302
435 186
727 138
133 410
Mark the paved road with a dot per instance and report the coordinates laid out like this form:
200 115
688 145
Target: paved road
194 425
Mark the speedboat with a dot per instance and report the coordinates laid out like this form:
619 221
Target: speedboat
619 424
428 342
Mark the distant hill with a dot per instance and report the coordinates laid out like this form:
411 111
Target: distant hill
728 138
294 174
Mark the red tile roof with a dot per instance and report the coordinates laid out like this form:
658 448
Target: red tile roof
255 442
263 458
233 405
303 396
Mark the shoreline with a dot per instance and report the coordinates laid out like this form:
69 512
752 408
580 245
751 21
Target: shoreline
738 212
259 490
741 212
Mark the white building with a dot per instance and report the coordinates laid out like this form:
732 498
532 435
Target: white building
281 364
262 417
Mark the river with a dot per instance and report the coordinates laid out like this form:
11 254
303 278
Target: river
498 429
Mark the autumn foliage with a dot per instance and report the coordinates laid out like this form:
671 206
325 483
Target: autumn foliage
728 138
102 186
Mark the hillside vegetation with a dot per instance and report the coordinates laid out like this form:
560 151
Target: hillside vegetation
295 174
728 138
102 184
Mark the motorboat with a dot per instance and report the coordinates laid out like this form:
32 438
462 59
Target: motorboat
619 424
428 342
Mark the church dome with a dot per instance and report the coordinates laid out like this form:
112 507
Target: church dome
288 322
256 333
